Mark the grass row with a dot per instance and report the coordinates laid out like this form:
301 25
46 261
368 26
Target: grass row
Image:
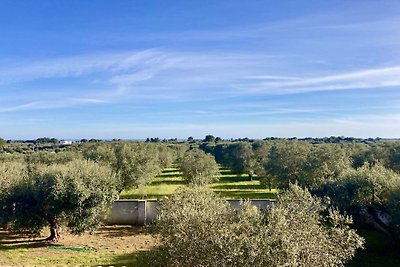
229 186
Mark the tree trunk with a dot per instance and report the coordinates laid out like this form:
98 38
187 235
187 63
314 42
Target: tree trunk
55 232
250 176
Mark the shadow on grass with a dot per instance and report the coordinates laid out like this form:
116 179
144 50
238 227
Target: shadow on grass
233 179
143 196
169 182
26 245
237 194
239 186
120 231
13 238
169 175
379 251
139 258
170 171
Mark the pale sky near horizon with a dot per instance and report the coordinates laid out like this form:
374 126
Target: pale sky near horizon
136 69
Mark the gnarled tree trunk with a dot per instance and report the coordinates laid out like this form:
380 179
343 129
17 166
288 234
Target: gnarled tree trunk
250 176
55 232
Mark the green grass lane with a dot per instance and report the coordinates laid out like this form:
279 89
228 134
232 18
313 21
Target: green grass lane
230 186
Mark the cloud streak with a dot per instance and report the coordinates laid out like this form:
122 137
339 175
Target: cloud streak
362 79
160 75
53 104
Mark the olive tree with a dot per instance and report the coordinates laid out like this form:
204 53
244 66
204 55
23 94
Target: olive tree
300 235
133 163
286 161
239 157
71 194
48 158
362 192
198 167
136 164
2 142
10 173
198 228
324 162
393 207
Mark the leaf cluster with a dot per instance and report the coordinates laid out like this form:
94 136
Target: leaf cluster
71 194
198 167
197 228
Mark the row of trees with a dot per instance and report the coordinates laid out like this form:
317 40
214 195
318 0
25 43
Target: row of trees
361 179
72 188
260 157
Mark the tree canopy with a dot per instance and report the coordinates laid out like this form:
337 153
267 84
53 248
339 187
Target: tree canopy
198 167
135 164
71 194
198 228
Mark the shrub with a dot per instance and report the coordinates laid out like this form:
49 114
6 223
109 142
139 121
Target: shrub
197 228
71 194
198 167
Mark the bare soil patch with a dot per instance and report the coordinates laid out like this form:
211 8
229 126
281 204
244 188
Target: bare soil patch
111 245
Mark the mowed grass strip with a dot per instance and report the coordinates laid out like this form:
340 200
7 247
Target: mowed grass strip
230 186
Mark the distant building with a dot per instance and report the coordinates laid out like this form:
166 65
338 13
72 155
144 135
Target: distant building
65 142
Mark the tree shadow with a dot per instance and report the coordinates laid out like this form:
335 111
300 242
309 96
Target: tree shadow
16 237
120 231
130 259
379 251
26 245
169 182
233 179
238 194
169 175
12 240
144 196
240 186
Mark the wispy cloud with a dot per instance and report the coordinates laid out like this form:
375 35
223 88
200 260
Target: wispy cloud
362 79
162 75
53 104
75 66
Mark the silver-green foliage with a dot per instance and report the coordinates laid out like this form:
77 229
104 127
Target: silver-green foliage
135 164
300 236
11 172
198 167
198 228
71 194
361 191
393 207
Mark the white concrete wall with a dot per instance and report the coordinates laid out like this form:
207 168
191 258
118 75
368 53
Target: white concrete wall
140 212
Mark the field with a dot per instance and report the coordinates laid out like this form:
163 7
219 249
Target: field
118 246
229 186
123 246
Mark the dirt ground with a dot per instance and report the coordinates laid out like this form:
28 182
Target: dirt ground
112 245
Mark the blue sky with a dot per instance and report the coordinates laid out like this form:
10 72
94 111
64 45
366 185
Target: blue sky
137 69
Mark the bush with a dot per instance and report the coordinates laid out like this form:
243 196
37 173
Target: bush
71 194
198 167
10 173
197 228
